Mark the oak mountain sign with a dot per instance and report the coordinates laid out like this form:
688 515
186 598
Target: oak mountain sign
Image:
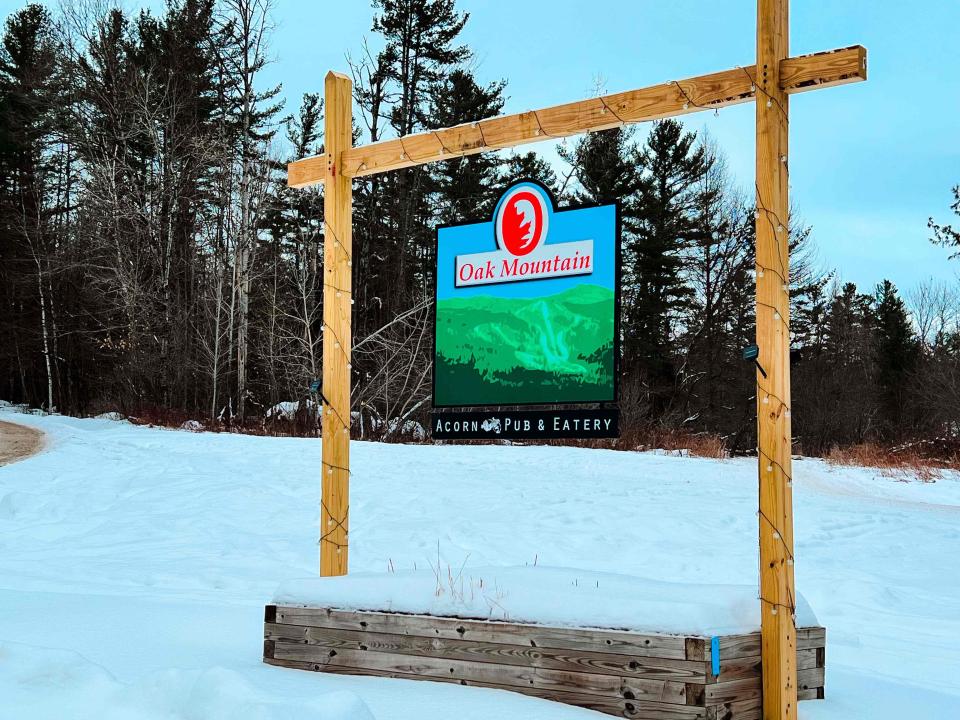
526 314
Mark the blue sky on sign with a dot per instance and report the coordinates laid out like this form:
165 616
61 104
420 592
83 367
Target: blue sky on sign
869 162
595 223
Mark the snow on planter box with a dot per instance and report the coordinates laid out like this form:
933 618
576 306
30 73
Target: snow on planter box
622 645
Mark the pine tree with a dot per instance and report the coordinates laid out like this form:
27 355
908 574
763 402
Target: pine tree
946 235
420 48
605 165
461 188
712 381
896 355
672 164
530 166
30 88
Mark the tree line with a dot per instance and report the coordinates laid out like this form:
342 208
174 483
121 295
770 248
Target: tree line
151 255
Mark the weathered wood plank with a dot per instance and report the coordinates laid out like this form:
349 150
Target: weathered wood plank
429 667
809 658
811 678
610 641
609 682
745 667
808 679
508 654
738 710
638 709
736 669
732 691
664 691
704 92
744 646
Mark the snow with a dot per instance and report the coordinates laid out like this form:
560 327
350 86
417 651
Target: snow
547 596
112 415
135 563
288 409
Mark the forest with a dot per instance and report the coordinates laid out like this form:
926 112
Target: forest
153 261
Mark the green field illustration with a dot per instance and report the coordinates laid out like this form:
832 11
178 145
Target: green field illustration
505 351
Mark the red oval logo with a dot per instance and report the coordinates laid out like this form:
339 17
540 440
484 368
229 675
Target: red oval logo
521 222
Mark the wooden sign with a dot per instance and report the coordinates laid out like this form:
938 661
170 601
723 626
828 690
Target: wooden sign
769 81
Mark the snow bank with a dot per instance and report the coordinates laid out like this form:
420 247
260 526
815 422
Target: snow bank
179 539
546 596
288 409
112 415
61 683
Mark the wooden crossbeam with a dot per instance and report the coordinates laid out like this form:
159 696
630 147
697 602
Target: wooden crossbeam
705 92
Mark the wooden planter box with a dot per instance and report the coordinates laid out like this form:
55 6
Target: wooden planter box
628 674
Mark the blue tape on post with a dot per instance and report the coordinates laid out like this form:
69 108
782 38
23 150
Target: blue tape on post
715 655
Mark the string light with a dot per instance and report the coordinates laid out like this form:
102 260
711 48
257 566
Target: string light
607 108
538 132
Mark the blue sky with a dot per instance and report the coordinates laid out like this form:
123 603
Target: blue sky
869 162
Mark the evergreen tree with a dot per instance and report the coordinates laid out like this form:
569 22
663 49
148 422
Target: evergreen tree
393 242
712 383
946 235
30 90
462 188
896 355
605 165
672 164
531 166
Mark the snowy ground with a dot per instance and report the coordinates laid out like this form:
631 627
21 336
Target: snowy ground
134 565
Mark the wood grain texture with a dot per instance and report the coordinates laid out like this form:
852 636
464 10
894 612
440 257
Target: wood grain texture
580 668
337 332
704 92
672 647
641 668
778 634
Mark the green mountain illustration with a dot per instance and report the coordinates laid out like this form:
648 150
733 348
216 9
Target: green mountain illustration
496 350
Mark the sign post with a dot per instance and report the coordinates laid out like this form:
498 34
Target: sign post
337 331
777 604
769 82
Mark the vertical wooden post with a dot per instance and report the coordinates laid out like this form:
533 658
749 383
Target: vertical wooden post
337 333
778 629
